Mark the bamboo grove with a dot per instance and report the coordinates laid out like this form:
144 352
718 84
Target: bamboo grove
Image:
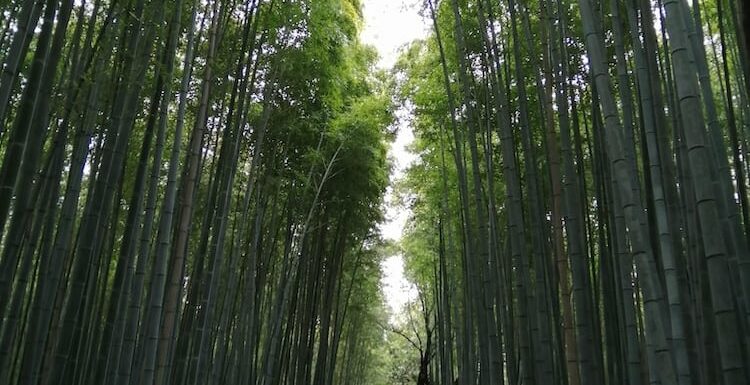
580 203
189 192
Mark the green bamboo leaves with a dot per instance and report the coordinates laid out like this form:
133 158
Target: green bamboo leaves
166 217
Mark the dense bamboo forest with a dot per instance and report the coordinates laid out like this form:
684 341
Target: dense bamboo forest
192 192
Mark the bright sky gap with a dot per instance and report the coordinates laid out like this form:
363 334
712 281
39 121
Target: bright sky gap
389 26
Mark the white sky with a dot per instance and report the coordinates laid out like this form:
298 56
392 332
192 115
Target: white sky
389 25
